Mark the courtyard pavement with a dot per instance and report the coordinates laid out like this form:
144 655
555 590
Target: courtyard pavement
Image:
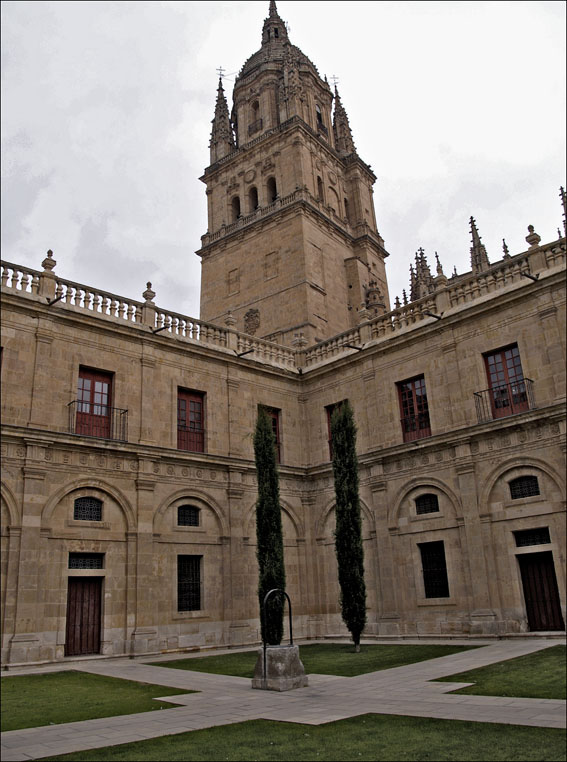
224 700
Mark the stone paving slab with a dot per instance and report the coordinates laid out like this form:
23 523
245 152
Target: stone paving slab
225 700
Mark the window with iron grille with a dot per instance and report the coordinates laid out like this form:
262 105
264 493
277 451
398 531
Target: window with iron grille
190 420
87 509
434 568
524 486
330 410
86 560
538 536
414 409
189 583
188 516
426 504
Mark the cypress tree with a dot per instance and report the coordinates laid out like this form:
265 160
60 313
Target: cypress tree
269 535
348 532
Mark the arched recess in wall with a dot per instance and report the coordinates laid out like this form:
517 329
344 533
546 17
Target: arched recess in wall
235 208
271 189
293 521
333 200
402 504
195 497
11 507
95 485
323 520
252 199
498 479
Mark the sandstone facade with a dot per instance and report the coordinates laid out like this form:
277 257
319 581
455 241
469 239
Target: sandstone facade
464 497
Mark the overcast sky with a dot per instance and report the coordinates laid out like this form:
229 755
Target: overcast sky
459 107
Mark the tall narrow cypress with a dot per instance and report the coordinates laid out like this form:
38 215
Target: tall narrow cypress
348 532
269 534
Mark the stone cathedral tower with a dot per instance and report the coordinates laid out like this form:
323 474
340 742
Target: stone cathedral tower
292 248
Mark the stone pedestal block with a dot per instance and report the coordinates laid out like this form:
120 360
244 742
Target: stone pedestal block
284 669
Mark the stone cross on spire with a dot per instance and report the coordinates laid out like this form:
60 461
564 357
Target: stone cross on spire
479 257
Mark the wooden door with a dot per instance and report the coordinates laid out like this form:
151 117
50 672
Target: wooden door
83 616
94 401
540 591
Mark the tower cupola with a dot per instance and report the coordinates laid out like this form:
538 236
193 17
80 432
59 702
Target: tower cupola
275 30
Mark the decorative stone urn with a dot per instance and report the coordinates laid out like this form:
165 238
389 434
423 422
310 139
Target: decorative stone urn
284 669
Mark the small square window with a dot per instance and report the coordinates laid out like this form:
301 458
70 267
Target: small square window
524 486
426 504
86 560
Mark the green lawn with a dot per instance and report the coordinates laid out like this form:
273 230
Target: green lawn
368 737
29 701
321 658
537 675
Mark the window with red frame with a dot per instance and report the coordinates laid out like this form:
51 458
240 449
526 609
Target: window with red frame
414 409
94 403
190 421
330 410
508 393
274 416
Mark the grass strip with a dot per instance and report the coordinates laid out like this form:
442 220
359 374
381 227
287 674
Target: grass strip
30 701
368 737
537 675
321 658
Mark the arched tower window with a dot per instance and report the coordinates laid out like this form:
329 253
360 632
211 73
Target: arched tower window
252 199
235 204
272 189
318 114
255 118
320 194
347 210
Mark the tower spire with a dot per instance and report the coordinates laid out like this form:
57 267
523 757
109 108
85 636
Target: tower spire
275 30
341 128
479 257
222 137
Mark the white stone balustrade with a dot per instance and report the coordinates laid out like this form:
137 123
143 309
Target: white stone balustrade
19 278
101 302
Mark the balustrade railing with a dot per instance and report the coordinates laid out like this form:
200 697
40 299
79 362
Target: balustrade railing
264 351
94 300
189 328
325 350
19 278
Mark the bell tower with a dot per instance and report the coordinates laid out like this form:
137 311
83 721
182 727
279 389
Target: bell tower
292 245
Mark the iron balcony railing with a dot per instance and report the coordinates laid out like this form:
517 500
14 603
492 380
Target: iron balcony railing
255 126
416 427
190 438
91 420
504 400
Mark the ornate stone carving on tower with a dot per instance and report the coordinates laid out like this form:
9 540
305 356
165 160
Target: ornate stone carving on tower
222 138
288 189
421 281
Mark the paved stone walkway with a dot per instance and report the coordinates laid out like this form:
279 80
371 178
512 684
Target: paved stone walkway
223 700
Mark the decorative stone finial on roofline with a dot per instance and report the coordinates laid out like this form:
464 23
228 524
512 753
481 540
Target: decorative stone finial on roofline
148 293
533 238
49 263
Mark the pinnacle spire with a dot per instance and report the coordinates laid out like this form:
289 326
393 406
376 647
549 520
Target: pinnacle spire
222 137
479 257
344 142
274 30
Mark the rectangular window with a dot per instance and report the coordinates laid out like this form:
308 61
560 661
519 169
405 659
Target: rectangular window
189 583
434 569
507 387
414 409
190 421
87 509
86 560
274 416
94 403
330 409
525 537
